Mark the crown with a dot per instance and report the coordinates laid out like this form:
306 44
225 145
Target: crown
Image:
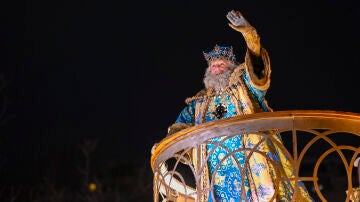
220 52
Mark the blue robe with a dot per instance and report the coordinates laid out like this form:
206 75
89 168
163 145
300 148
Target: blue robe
231 179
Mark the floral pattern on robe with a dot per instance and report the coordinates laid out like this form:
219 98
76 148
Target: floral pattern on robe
232 179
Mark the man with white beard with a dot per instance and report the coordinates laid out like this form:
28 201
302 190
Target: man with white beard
233 89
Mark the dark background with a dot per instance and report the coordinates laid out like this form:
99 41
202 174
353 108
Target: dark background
117 73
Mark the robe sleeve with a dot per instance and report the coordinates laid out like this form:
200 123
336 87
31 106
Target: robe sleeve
184 120
257 74
187 114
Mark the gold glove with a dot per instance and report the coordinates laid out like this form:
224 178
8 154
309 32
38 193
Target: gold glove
240 24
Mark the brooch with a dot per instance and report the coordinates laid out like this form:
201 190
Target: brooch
220 111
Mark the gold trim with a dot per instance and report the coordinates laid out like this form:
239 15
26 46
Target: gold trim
264 83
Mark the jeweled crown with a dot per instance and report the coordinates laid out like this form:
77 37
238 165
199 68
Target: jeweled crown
220 52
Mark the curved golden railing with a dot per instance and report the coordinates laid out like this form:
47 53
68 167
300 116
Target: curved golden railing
171 185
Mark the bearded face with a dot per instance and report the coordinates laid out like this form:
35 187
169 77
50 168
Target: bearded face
218 73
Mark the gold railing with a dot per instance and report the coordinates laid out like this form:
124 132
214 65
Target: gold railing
315 137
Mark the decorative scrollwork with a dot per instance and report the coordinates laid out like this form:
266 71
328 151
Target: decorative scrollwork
184 147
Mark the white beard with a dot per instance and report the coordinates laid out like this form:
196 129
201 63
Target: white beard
220 81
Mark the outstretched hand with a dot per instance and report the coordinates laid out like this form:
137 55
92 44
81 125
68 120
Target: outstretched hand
238 22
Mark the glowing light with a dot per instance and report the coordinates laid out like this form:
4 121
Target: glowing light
92 187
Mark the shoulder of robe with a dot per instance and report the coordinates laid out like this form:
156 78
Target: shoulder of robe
206 92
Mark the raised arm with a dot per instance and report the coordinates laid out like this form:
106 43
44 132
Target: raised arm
240 24
257 59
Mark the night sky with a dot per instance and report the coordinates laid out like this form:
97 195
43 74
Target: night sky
118 72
